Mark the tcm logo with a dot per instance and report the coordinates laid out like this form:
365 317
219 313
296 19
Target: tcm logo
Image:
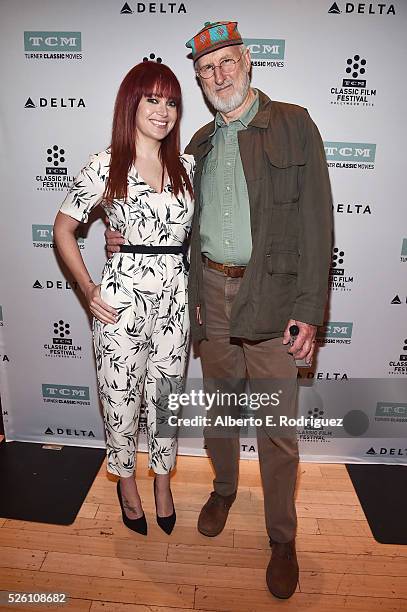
338 329
265 48
65 392
391 410
43 233
43 236
52 41
350 151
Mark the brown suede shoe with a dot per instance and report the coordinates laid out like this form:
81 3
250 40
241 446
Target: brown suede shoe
282 571
213 515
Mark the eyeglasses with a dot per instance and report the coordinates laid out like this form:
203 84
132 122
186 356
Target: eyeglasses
227 66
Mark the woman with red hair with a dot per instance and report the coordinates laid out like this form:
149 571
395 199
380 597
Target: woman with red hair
141 325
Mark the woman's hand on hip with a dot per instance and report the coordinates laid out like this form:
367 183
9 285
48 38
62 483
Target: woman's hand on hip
102 311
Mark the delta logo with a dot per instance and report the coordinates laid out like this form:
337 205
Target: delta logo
54 103
362 8
352 209
162 8
383 451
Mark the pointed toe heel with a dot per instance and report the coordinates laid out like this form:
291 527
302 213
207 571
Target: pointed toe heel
139 525
166 523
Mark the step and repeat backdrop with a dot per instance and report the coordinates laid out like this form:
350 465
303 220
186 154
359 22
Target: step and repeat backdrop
61 64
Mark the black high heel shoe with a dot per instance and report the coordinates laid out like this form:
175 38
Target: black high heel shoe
139 524
166 522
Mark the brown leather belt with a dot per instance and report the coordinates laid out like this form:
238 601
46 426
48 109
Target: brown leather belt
232 271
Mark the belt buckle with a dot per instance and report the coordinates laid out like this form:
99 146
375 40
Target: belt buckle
233 271
227 270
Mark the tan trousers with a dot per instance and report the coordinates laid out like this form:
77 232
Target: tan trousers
227 364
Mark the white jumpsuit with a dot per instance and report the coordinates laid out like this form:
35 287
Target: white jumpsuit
148 344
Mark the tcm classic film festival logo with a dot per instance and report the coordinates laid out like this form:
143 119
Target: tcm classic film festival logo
62 344
266 52
339 280
350 155
53 45
54 175
309 432
353 91
398 366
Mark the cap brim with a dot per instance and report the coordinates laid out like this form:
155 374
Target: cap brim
220 45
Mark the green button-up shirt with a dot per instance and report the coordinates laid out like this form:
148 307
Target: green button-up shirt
225 216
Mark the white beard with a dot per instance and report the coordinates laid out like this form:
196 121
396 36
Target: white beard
235 100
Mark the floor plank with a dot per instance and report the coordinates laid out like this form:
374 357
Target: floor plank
172 573
326 543
243 600
91 545
72 604
96 588
104 566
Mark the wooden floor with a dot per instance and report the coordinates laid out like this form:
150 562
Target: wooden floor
105 567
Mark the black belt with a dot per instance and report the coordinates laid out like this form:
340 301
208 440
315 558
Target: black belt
157 250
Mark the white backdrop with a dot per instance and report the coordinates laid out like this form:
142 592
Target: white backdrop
61 65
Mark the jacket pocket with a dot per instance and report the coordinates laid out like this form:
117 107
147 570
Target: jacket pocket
285 175
282 262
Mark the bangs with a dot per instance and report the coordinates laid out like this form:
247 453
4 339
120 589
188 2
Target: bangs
162 84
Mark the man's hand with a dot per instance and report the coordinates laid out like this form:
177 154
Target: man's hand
113 240
304 344
102 311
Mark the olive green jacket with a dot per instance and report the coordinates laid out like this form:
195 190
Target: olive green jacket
291 224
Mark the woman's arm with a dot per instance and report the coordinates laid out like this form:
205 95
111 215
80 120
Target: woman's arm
64 236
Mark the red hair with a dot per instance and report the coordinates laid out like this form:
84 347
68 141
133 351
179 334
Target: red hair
144 79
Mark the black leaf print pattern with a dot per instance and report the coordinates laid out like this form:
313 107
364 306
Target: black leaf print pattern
147 347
